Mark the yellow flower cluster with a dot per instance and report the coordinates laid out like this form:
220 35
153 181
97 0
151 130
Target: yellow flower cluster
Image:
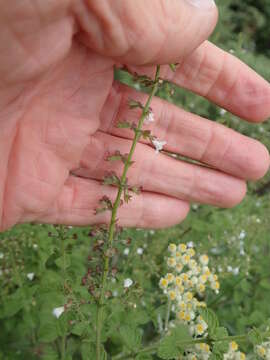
233 353
189 276
263 350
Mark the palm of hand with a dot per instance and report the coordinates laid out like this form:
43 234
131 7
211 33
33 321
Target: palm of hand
57 118
51 125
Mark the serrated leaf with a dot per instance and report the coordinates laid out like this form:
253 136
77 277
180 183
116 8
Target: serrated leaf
255 337
220 333
173 345
211 319
48 333
63 262
12 304
131 337
88 350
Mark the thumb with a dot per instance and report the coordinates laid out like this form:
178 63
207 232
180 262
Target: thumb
145 32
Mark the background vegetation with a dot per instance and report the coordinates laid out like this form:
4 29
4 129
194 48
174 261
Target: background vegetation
237 241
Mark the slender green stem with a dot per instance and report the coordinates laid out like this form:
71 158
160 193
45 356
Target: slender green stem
116 205
167 316
152 349
62 237
63 348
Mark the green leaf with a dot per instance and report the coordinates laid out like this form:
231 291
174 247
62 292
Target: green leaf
173 67
211 319
173 345
80 328
48 333
13 304
143 357
220 333
49 353
216 356
133 104
88 350
255 337
124 125
63 262
131 337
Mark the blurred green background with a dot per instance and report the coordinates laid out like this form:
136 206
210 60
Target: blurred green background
237 240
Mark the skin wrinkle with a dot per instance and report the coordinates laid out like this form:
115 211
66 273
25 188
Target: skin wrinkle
165 31
112 25
217 79
207 143
226 149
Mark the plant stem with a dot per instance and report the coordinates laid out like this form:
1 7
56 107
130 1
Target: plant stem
62 236
63 348
167 316
154 347
116 205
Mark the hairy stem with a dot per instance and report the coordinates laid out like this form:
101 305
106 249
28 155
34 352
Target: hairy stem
116 205
167 316
152 349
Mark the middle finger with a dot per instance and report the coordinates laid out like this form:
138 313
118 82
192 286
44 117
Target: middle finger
189 135
159 173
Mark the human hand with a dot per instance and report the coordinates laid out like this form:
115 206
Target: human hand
59 106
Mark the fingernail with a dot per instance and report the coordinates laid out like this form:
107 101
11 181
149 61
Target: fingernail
204 4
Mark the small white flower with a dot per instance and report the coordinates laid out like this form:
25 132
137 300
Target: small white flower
126 251
30 276
242 235
35 246
57 312
190 244
127 283
222 112
1 255
140 251
158 144
115 293
150 118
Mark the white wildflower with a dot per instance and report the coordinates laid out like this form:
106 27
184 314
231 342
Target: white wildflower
127 283
140 251
57 312
158 144
242 235
30 276
222 112
1 255
150 118
126 251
